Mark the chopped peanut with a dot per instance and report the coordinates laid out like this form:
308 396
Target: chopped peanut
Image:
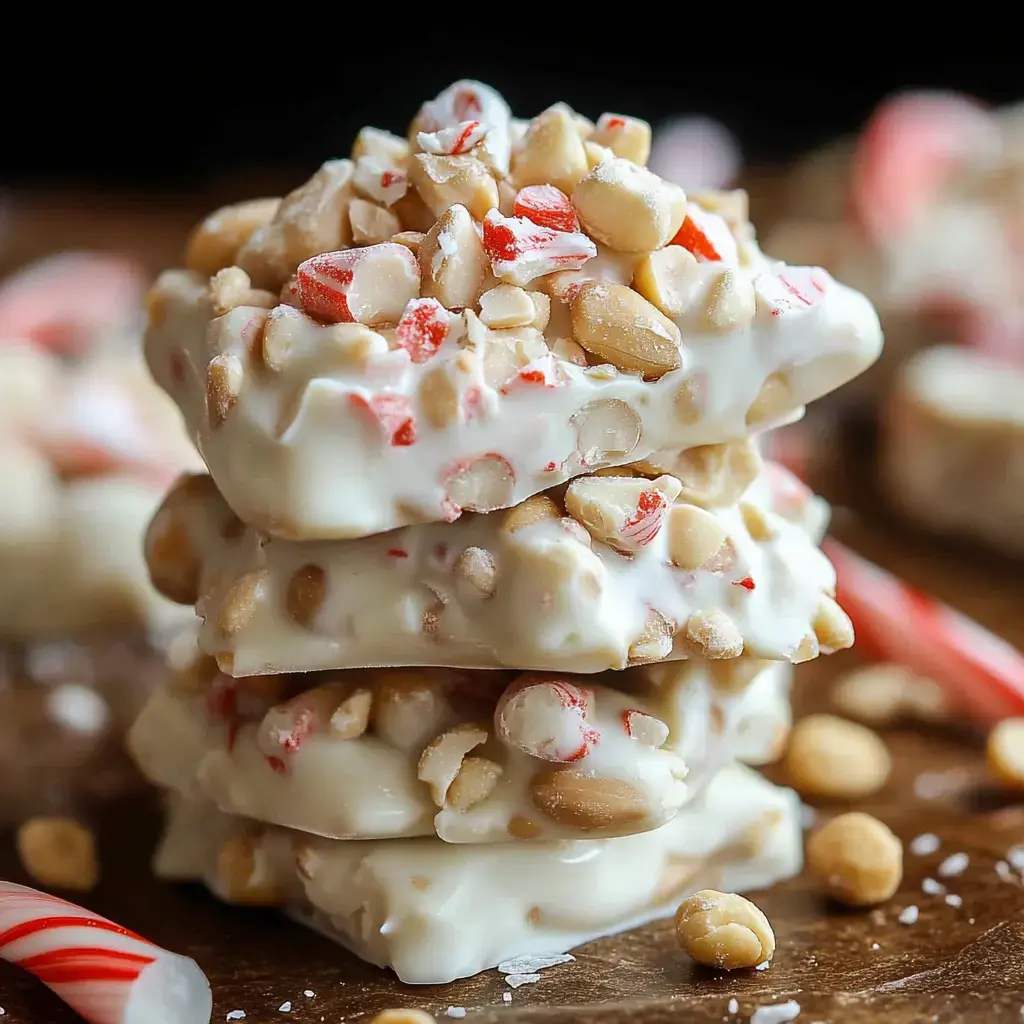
230 288
243 877
475 782
409 708
224 378
453 264
58 853
712 475
607 429
694 536
832 759
507 306
588 802
628 208
654 642
538 509
617 324
728 304
476 573
628 137
482 484
880 695
669 278
773 401
756 522
412 240
241 602
551 153
439 397
215 242
714 634
735 675
624 512
371 223
688 404
442 758
444 181
382 146
403 1017
305 596
722 929
857 859
351 717
1005 751
832 626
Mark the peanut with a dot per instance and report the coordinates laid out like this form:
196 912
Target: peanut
732 206
714 634
724 930
442 758
654 642
538 509
616 324
832 759
311 220
728 304
475 782
668 278
412 240
290 336
628 208
439 397
382 146
832 626
567 349
880 695
596 154
757 523
453 264
58 853
230 288
607 430
174 564
626 137
224 377
475 573
694 536
857 860
545 716
508 305
551 152
712 475
1005 752
444 181
371 223
304 598
242 601
215 242
409 707
588 802
351 718
624 512
772 402
242 875
690 400
403 1017
482 484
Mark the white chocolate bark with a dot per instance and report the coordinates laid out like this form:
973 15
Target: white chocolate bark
952 447
530 588
435 912
556 757
565 310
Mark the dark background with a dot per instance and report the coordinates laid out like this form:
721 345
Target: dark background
226 106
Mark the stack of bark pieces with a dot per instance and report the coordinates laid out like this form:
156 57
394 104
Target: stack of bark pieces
496 590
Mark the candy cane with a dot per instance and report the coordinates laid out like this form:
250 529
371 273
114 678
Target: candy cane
895 622
102 971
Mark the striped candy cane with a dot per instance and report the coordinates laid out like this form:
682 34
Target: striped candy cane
102 971
895 622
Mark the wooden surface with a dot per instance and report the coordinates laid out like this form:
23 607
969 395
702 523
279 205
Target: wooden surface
961 964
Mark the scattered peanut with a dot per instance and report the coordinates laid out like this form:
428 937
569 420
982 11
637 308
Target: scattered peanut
439 397
714 634
567 349
403 1017
444 181
173 562
830 758
735 675
224 378
881 695
412 240
627 137
725 930
453 264
371 223
409 708
475 782
669 278
587 802
654 642
382 146
832 626
1005 750
241 602
773 401
694 536
617 324
351 718
507 305
607 430
690 400
627 207
215 242
480 485
551 153
712 475
857 859
58 853
442 758
757 523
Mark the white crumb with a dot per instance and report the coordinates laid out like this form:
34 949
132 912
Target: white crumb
953 865
933 785
924 844
285 1007
532 964
506 996
781 1013
908 915
77 708
1015 855
734 1006
1004 871
515 980
954 901
932 888
236 1015
309 993
456 1011
763 966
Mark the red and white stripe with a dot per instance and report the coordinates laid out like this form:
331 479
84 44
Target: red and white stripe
104 972
894 622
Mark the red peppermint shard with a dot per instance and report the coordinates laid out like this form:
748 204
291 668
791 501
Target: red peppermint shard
547 206
520 250
643 525
422 329
393 414
323 282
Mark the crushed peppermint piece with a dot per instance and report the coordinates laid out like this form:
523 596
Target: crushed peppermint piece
875 945
925 844
734 1006
506 997
934 785
532 964
953 900
933 888
781 1013
309 993
1004 871
456 1011
1015 855
955 864
235 1015
285 1007
763 966
909 915
515 980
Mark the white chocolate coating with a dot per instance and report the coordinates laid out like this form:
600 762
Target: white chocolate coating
298 457
553 598
952 450
435 912
659 725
